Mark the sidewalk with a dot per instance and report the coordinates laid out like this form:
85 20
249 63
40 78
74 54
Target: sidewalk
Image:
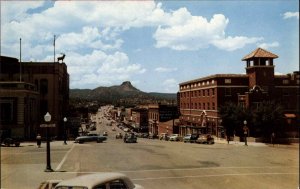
238 143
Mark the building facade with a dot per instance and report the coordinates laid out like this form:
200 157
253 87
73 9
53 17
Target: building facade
201 98
30 90
161 113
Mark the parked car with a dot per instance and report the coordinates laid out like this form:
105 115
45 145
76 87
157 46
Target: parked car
104 133
99 180
113 129
174 137
11 141
187 138
119 136
164 136
205 139
194 138
90 138
130 138
49 184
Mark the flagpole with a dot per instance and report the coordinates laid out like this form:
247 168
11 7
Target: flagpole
54 49
20 60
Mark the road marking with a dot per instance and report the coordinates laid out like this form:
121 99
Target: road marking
64 159
216 175
187 169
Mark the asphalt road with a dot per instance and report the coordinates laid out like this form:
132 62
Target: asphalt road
156 164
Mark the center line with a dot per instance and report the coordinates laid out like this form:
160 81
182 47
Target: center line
64 159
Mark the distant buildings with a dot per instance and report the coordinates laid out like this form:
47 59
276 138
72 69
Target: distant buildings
201 98
29 90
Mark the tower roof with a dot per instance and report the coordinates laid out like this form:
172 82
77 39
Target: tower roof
260 53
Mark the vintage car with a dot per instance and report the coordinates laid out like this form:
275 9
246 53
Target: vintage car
130 138
11 141
99 180
205 139
90 138
174 137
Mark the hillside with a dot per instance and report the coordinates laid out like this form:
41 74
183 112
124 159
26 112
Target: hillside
124 94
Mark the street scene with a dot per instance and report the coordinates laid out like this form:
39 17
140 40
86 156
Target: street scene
154 163
149 94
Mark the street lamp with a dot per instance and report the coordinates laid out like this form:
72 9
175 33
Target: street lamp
47 119
65 134
245 128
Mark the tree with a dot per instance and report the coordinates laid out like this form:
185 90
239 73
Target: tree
233 116
267 118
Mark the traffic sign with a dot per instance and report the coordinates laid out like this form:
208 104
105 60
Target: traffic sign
47 125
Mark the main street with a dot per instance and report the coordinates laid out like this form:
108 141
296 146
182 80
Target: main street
156 164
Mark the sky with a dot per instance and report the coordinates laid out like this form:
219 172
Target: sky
153 44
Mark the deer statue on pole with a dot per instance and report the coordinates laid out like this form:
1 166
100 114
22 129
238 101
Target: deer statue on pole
61 58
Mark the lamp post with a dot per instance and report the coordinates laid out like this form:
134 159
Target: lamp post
47 119
245 128
65 134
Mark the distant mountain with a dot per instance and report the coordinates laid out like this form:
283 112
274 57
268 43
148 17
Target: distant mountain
124 94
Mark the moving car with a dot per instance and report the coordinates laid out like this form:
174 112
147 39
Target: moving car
99 181
90 138
205 139
174 137
130 138
11 141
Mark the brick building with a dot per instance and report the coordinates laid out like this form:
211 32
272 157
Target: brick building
159 114
201 98
29 90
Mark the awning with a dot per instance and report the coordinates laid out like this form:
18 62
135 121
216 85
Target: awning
290 115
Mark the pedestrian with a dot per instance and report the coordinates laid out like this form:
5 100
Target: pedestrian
38 140
273 138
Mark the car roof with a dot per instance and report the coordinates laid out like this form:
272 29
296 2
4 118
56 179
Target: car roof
90 180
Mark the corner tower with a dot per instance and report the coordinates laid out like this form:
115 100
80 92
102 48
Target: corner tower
260 68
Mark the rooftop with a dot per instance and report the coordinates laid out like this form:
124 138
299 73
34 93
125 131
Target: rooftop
260 53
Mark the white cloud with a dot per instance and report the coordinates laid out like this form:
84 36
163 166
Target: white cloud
163 69
99 68
233 43
196 32
268 45
291 15
170 85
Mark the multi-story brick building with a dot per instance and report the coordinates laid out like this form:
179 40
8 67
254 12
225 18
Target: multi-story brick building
160 113
201 98
29 90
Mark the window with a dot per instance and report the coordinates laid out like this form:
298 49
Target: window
213 92
208 106
227 81
44 86
199 105
227 91
285 81
213 106
208 92
117 184
203 106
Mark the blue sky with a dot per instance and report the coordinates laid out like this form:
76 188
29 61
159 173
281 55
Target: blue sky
154 44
